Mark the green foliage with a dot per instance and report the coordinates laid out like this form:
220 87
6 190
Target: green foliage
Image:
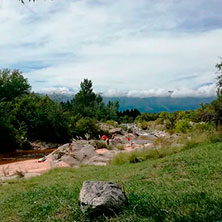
86 101
43 118
204 126
87 125
126 119
183 126
7 136
140 156
147 117
112 110
217 110
11 138
168 119
99 144
128 116
142 124
12 85
112 123
219 77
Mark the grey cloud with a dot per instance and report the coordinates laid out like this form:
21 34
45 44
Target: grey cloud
187 77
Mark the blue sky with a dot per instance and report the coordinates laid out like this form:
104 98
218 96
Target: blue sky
126 47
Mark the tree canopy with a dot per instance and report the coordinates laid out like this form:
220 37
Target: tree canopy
12 85
86 101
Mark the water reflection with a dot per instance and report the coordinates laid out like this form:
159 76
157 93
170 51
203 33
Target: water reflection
20 155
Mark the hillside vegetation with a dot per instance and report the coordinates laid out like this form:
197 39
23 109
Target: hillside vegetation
185 186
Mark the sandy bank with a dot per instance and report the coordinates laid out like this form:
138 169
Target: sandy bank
28 168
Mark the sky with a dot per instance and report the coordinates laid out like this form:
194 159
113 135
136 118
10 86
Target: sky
132 48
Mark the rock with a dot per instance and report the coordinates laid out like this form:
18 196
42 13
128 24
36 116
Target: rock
80 152
101 197
40 145
115 131
111 129
118 140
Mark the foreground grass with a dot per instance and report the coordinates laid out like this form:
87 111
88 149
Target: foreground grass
185 186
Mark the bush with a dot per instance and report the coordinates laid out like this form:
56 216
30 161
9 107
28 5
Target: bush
89 126
147 117
142 124
98 144
112 123
183 126
204 126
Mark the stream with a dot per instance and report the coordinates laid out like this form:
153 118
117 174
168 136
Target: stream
21 155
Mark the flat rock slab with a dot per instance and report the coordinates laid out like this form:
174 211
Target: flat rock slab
101 197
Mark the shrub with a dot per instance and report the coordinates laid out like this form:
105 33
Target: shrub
142 124
87 125
112 123
98 144
183 126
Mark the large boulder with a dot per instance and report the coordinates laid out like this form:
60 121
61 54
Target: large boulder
80 152
111 129
101 197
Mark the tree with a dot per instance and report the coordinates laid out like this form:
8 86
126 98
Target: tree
86 101
7 131
44 119
219 78
12 85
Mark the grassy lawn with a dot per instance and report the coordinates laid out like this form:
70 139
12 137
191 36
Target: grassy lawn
186 186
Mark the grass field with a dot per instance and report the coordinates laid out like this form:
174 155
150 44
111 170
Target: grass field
185 186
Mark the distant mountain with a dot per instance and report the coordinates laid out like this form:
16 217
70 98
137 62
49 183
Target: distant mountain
160 104
150 104
58 97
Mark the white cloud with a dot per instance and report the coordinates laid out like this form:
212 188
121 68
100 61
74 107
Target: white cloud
122 46
204 91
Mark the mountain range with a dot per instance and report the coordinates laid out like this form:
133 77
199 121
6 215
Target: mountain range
150 104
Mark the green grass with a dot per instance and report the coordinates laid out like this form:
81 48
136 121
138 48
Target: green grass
186 186
140 156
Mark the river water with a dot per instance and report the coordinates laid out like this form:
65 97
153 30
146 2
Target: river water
20 155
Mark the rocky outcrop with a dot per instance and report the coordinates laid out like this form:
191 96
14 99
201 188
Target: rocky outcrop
80 152
111 129
101 197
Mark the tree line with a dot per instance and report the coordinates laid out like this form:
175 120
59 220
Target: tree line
26 116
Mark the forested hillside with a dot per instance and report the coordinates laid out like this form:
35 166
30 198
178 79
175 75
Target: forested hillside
149 104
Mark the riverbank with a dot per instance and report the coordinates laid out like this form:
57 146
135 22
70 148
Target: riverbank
27 168
21 155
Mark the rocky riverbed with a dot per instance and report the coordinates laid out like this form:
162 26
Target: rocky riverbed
84 152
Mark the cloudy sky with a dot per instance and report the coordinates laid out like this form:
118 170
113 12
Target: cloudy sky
126 47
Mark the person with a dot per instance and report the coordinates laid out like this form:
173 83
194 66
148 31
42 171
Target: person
104 137
130 142
70 146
